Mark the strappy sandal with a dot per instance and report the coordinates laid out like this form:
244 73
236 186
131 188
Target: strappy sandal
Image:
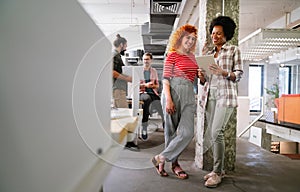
156 163
179 172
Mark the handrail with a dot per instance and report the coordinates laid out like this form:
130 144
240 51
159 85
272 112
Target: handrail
250 125
255 120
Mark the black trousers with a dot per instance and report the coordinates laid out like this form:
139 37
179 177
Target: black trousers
154 101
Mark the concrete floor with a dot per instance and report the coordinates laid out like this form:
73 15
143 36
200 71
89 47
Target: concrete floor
256 170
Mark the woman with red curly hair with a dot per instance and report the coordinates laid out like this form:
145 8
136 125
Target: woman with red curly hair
178 98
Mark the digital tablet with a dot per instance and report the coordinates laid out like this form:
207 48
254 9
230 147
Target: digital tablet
204 61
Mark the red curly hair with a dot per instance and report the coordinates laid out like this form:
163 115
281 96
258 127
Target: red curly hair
177 36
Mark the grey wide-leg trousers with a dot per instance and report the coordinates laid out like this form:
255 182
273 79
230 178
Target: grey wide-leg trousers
179 127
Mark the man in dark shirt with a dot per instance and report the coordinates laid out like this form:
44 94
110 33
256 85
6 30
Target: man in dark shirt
120 80
120 85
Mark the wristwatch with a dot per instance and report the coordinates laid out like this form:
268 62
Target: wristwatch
228 76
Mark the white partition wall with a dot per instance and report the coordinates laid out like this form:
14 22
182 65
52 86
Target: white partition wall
53 60
243 115
137 74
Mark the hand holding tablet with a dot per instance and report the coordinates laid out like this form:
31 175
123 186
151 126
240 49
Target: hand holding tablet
204 62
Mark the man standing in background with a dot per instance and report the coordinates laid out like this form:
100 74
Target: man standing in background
120 84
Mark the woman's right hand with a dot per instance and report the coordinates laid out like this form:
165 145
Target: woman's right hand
201 74
170 107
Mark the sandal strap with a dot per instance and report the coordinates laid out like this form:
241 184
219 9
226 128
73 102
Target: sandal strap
179 170
175 164
181 173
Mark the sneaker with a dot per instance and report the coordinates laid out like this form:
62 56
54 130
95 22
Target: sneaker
132 146
207 176
214 180
144 135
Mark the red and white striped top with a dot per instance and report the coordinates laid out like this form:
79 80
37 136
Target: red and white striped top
177 65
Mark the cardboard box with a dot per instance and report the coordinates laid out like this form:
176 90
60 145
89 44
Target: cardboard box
288 147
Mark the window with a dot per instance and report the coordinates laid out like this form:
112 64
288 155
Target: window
255 88
284 80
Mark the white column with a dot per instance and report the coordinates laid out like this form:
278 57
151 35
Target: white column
200 110
137 75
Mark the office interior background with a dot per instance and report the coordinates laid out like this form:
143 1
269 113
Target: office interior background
50 139
268 36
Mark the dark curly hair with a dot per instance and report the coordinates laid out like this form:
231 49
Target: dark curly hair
227 23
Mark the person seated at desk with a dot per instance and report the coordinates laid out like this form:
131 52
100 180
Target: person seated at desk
149 92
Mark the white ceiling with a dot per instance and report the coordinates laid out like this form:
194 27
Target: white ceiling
255 14
114 15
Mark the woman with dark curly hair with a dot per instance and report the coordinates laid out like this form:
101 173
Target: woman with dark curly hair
222 97
178 98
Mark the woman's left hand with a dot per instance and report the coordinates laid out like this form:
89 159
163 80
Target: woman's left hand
216 69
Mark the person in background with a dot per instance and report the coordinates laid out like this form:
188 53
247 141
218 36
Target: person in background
120 81
149 92
222 96
178 99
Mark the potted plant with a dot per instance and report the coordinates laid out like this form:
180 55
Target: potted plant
274 93
273 102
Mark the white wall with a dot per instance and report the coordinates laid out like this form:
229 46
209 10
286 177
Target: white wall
133 35
50 65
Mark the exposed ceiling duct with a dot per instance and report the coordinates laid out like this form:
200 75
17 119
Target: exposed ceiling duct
157 32
265 42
